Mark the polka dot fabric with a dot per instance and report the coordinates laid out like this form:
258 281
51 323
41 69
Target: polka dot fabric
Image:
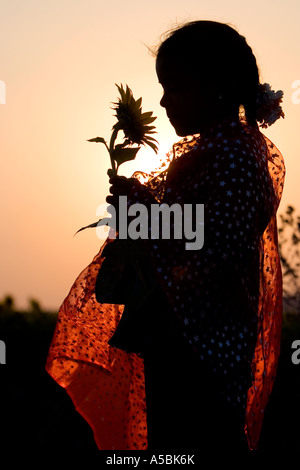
106 384
226 296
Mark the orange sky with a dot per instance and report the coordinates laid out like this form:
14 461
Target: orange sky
60 61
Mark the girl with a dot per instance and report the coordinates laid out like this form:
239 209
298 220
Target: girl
206 336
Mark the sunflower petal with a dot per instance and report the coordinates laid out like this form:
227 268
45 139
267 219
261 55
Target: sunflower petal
147 128
121 91
151 138
148 120
128 94
138 103
153 146
146 115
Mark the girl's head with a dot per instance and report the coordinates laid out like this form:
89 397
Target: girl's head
207 71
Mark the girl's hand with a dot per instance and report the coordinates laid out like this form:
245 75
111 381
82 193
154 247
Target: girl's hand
120 186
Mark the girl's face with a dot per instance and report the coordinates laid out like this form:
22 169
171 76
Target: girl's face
190 106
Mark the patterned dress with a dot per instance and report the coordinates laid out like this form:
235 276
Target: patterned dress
208 337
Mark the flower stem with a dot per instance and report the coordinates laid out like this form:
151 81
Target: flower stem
111 148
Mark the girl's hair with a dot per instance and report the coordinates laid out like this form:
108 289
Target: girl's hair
218 55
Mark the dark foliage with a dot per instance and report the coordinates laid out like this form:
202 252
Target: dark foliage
38 416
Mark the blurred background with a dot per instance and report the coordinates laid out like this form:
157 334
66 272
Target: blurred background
59 62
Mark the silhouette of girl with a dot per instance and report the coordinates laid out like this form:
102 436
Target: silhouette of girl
191 366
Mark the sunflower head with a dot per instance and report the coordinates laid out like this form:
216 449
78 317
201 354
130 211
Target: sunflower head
132 121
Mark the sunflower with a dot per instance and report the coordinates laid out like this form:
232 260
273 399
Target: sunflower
132 121
136 128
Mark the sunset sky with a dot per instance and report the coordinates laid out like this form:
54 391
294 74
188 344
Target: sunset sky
60 61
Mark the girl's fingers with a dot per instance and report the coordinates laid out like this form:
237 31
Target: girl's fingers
118 180
118 190
111 200
120 185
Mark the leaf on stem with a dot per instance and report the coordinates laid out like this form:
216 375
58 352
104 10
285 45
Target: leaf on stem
98 140
103 221
122 155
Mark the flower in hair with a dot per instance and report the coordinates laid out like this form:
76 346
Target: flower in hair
268 105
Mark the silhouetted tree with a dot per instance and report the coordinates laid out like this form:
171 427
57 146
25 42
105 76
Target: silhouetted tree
35 306
8 304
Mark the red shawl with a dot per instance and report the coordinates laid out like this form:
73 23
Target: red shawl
107 384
